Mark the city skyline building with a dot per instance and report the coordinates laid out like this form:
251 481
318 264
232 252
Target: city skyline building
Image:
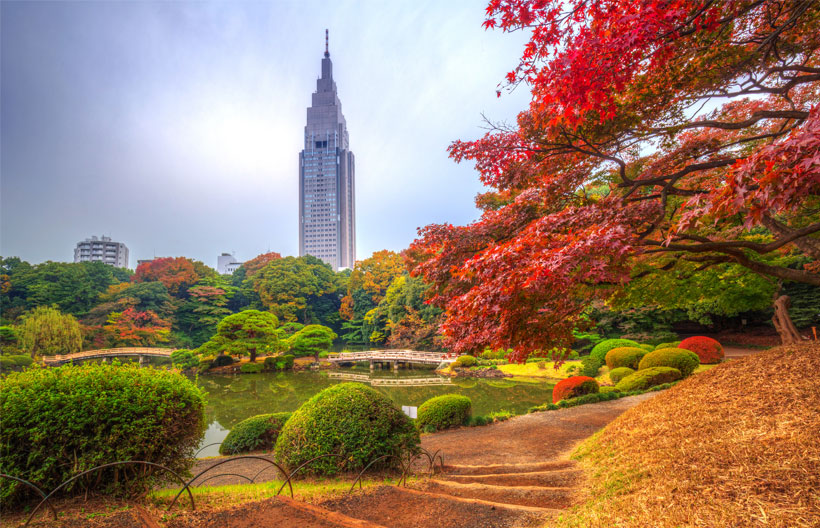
226 264
327 190
102 249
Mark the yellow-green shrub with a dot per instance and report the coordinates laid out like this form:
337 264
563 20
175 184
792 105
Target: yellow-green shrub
625 357
683 360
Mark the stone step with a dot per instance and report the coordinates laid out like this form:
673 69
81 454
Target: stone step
532 496
409 508
556 478
499 469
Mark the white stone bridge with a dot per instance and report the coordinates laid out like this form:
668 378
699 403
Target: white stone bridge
394 358
107 354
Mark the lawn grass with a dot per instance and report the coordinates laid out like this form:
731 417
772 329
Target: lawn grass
733 446
216 497
531 370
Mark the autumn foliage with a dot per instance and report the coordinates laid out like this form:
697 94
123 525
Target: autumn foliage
572 387
608 168
177 274
708 350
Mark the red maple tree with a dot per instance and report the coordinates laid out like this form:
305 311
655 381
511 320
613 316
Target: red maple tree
657 130
177 274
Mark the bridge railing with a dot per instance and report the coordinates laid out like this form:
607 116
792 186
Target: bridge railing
109 352
393 355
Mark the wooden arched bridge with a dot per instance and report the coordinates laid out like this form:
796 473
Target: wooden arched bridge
108 353
394 357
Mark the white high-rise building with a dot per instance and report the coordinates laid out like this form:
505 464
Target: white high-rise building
102 249
327 190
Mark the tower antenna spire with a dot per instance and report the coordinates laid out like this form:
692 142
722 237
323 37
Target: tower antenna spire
327 53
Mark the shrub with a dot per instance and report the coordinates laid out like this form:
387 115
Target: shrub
444 411
250 368
271 363
600 350
673 344
206 362
465 361
348 419
258 433
643 379
606 388
707 349
648 348
683 360
617 374
60 421
625 357
572 387
184 359
288 361
222 359
494 354
10 362
590 366
478 420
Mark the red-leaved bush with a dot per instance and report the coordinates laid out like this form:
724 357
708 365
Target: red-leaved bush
707 349
572 387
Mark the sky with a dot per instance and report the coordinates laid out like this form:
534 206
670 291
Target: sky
175 127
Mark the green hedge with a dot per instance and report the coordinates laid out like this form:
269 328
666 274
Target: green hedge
257 433
222 359
184 359
625 357
683 360
348 419
57 422
465 361
673 344
609 388
599 351
645 378
617 374
590 366
278 362
250 368
19 361
441 412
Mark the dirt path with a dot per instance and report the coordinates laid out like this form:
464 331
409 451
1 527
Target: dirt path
511 474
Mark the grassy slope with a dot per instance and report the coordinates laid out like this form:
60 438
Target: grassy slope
737 445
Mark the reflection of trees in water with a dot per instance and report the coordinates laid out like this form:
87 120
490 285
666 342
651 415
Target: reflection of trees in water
232 399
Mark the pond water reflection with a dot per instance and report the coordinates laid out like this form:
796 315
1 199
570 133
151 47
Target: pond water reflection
232 399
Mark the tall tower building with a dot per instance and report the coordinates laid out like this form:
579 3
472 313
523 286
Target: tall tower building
327 190
103 250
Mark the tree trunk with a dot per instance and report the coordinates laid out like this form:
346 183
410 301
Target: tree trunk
253 354
783 322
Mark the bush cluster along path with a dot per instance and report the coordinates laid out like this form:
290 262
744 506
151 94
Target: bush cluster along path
513 473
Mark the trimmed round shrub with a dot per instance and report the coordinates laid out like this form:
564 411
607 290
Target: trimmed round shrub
221 360
648 348
206 362
465 361
257 433
271 363
708 350
288 361
60 421
643 379
625 357
590 366
19 361
600 350
348 419
573 387
673 344
441 412
617 374
608 388
250 368
683 360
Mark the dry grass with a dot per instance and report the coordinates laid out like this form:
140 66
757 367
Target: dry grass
737 445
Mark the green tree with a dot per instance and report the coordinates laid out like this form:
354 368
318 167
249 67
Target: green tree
249 331
199 315
46 332
312 339
288 287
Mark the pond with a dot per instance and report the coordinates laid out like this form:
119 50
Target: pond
233 398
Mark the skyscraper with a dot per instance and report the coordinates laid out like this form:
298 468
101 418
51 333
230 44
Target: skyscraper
327 190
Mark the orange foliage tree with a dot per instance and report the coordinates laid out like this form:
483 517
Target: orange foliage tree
177 274
369 282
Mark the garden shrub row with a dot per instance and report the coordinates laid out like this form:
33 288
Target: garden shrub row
625 357
619 373
600 350
683 360
444 411
648 377
573 387
12 361
707 349
60 421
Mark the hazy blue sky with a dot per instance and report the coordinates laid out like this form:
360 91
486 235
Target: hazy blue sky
175 127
